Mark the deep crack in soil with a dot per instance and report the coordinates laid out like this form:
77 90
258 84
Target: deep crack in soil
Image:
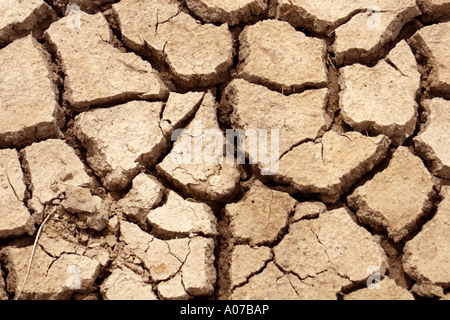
289 48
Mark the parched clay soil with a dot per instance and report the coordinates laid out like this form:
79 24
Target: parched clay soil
355 205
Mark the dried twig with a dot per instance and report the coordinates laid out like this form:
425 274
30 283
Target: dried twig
290 9
32 254
330 62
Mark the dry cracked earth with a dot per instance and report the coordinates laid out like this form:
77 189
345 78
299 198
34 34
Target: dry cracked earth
92 92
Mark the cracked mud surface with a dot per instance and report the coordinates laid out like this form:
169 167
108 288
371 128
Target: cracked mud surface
356 205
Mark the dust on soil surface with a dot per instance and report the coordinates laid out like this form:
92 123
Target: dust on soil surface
213 149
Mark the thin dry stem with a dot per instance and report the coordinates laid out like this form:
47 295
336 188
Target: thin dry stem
32 254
